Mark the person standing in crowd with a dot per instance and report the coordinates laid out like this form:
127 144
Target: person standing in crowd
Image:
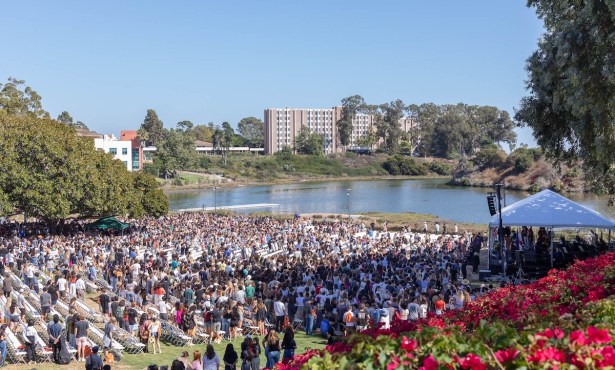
185 359
29 336
230 357
288 344
81 337
94 362
255 351
155 330
273 349
54 332
246 354
211 361
197 363
280 313
2 345
108 333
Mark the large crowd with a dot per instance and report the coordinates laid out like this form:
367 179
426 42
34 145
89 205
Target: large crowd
222 277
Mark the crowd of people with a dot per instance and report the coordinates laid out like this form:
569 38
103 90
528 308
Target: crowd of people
226 276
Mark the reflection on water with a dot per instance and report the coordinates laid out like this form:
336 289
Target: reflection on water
395 196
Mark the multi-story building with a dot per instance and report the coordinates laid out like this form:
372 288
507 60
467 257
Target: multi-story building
136 153
121 149
283 125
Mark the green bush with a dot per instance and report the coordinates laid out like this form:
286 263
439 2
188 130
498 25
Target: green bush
440 168
522 159
398 165
490 157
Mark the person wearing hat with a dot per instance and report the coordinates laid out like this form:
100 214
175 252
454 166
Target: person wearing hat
94 361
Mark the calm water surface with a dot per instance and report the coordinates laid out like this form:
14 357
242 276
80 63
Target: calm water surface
395 196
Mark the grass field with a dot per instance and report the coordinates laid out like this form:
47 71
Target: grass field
169 353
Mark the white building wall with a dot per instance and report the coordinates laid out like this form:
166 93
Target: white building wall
121 150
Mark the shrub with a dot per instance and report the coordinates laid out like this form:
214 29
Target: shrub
490 157
440 168
521 159
398 165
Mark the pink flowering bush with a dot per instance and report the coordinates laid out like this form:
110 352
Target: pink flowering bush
563 321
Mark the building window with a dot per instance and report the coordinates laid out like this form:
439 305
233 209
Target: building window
124 151
113 151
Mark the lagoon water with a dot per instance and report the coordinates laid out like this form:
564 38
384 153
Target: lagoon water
432 196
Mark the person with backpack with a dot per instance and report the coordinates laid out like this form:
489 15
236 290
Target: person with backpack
94 361
362 318
349 321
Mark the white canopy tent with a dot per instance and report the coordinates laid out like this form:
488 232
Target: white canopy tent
550 210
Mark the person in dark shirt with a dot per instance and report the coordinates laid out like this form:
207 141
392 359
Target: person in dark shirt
54 332
94 362
45 302
81 335
104 300
132 318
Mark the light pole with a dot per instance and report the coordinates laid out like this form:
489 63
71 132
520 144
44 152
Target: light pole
498 188
348 195
215 199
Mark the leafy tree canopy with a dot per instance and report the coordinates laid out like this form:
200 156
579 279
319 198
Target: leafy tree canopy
571 80
253 130
308 142
18 99
152 128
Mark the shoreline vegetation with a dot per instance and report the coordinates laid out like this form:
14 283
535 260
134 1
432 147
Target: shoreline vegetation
525 171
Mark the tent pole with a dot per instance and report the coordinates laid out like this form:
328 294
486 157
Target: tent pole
551 241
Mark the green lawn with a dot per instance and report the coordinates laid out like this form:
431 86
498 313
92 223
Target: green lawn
169 352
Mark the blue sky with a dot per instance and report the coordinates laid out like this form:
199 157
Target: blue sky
107 62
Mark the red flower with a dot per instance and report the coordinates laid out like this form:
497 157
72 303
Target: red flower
473 362
429 363
506 355
598 335
608 357
393 364
555 333
547 354
408 344
578 337
578 361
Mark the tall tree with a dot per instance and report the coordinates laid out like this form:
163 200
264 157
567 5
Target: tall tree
253 130
228 133
18 99
571 106
154 128
390 130
350 107
65 118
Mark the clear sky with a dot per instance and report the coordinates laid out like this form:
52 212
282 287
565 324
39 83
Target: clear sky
107 62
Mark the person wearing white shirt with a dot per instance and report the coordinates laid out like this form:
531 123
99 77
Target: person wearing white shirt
162 308
62 286
80 285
